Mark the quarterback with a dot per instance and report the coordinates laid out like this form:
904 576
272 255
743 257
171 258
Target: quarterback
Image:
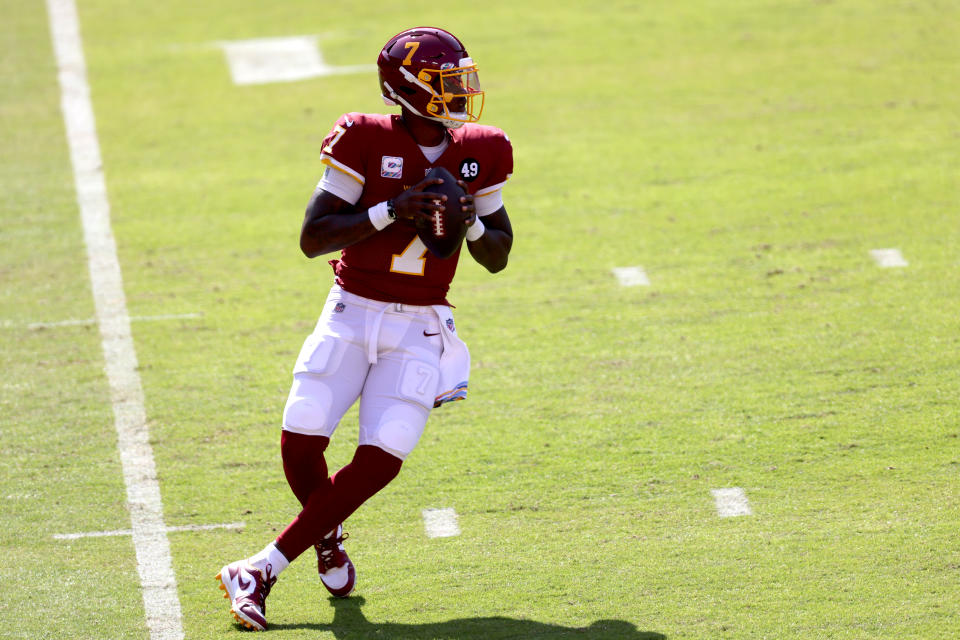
386 335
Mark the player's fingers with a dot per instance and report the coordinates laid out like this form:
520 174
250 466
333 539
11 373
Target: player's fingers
415 200
424 196
426 182
431 200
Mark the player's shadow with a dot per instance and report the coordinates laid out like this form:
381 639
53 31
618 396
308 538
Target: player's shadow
349 623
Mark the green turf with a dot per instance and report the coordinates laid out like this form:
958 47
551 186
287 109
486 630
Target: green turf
748 155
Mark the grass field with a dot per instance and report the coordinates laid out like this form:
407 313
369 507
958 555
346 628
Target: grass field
748 155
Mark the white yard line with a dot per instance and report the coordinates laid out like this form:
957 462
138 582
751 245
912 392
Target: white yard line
129 532
440 523
731 502
154 563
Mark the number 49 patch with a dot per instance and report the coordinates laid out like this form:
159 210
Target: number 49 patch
469 169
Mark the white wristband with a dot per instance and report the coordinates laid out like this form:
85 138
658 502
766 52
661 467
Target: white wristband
379 216
475 230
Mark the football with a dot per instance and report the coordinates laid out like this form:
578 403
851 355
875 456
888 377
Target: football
445 233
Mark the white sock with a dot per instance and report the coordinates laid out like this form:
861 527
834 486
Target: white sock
272 556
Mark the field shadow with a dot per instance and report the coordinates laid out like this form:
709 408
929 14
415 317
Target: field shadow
350 623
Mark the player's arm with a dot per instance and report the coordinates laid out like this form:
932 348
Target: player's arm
489 236
493 246
332 223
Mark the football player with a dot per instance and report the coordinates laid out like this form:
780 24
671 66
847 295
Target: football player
386 335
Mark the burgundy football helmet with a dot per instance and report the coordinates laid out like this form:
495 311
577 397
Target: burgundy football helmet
428 71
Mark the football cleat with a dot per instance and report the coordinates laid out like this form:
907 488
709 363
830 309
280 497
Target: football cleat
336 571
247 588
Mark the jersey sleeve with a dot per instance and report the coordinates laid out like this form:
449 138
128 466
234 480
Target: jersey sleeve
501 163
343 148
340 184
489 202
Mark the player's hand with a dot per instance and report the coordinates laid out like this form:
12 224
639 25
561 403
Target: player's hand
418 206
467 207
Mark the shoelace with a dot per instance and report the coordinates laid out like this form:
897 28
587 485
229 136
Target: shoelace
264 589
327 547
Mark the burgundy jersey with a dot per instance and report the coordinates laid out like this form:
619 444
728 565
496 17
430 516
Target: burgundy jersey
393 264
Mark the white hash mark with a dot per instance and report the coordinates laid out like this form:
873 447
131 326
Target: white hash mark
631 276
287 59
731 502
440 523
889 258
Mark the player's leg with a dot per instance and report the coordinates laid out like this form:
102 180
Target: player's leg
328 377
304 464
370 470
394 406
314 407
400 389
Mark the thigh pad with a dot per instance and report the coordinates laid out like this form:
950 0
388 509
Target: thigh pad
418 382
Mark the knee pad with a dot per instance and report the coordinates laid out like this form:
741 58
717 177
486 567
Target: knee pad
397 430
398 438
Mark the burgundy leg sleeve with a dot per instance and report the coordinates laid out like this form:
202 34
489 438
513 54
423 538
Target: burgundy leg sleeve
370 471
304 464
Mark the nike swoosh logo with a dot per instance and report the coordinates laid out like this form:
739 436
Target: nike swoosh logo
431 334
243 584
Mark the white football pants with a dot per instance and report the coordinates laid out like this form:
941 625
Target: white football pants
386 354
